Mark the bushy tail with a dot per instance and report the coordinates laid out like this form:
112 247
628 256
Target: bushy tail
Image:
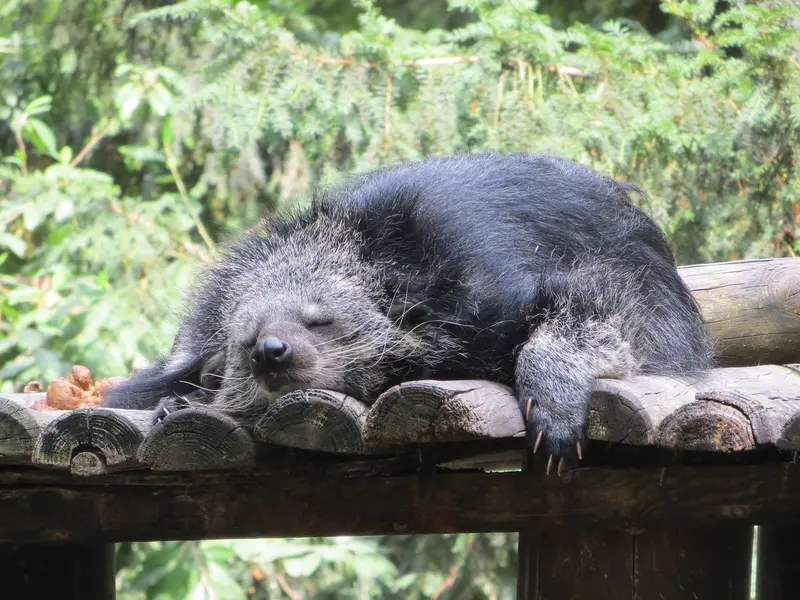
148 387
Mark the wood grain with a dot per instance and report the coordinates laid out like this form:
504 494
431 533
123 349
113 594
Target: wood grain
752 308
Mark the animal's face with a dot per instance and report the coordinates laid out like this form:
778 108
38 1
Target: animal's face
305 315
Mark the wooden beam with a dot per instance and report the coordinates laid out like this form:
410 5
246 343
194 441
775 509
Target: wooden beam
752 308
49 507
694 562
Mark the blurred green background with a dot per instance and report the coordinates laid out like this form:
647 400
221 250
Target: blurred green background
136 135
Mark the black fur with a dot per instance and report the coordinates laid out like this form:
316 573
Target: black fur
527 270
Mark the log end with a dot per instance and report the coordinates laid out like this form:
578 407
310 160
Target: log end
707 426
19 430
315 420
195 439
112 434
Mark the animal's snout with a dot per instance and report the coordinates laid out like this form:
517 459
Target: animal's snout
270 354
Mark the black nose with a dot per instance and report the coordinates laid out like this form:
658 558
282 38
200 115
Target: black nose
270 354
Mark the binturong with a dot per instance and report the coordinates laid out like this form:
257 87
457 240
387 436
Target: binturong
527 270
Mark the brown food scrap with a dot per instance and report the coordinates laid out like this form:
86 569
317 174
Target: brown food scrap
33 387
81 376
63 394
74 391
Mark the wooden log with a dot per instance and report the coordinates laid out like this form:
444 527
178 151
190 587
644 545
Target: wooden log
92 441
657 563
20 427
730 409
707 426
196 439
631 411
427 411
315 420
63 571
752 308
272 503
776 382
736 409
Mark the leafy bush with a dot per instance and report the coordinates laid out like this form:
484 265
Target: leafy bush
396 568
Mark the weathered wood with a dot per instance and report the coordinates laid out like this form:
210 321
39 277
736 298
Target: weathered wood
272 503
726 410
694 562
752 308
315 420
657 563
776 382
778 567
568 562
631 411
63 571
20 427
195 439
731 409
736 409
426 411
91 441
709 426
768 417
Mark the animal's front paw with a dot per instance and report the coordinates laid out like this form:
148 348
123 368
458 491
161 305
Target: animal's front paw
559 433
167 406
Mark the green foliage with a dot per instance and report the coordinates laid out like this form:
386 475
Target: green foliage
395 568
135 135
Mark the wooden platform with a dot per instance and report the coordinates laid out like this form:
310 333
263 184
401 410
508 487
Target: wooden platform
713 449
729 410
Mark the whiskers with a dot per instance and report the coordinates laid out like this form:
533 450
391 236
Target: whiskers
244 398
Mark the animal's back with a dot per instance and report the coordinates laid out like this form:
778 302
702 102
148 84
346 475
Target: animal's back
490 241
525 208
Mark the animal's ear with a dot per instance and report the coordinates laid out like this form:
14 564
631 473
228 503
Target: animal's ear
407 313
177 374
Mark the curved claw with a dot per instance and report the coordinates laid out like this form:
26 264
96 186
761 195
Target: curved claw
537 442
580 451
562 466
549 465
528 405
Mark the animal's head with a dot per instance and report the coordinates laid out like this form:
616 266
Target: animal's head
298 309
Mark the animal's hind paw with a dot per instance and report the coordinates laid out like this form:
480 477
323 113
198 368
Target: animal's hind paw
561 436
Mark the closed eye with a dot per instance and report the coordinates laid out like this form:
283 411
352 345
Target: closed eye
319 321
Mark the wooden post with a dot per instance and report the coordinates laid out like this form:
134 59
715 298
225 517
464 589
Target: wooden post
659 563
778 570
63 571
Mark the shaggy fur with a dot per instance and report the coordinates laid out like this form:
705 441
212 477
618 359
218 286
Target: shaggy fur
527 270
